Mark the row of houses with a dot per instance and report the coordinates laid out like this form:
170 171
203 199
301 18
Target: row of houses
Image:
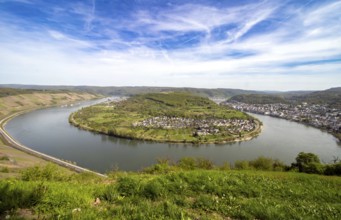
201 126
320 116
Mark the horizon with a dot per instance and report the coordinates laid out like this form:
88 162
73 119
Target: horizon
263 46
13 85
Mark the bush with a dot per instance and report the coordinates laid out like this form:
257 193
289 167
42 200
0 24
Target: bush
48 173
187 163
304 159
279 166
13 196
241 165
4 170
153 190
225 166
204 164
4 157
262 163
110 193
314 167
162 167
333 169
128 186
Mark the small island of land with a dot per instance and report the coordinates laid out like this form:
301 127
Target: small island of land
168 117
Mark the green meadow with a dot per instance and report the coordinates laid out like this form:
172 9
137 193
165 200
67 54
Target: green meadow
188 189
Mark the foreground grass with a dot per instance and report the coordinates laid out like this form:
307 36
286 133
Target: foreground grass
47 192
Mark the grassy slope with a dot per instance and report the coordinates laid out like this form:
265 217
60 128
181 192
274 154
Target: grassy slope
177 194
20 102
117 119
14 160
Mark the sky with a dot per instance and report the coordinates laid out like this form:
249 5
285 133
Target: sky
247 44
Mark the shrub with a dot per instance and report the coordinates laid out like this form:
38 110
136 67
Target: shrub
279 166
204 164
225 166
153 190
4 170
162 167
333 169
128 186
241 165
48 173
314 168
110 193
187 163
304 159
262 163
4 157
13 196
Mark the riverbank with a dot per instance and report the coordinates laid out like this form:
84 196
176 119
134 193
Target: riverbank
15 156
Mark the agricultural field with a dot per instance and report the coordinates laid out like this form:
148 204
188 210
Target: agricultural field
168 117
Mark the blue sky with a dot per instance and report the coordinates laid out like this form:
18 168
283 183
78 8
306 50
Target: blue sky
246 44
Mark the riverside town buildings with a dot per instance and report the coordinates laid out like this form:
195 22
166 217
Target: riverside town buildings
319 116
202 126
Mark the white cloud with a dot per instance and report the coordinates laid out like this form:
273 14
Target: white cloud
277 60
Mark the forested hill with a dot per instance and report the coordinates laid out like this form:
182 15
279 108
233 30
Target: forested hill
134 90
258 99
331 97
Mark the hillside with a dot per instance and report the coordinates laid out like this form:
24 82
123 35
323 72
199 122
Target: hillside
331 97
258 99
167 192
167 117
135 90
17 100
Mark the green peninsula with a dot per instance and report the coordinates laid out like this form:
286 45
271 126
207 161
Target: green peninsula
168 117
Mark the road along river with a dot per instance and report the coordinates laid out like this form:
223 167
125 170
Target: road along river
48 131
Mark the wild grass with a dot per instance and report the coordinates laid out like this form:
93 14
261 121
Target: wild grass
190 189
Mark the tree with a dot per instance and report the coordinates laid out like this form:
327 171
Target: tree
306 162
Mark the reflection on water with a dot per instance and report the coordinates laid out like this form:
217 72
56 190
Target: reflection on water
48 131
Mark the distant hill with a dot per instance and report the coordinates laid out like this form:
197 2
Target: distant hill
258 99
331 97
130 91
10 91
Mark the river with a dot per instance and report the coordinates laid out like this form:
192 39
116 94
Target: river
48 131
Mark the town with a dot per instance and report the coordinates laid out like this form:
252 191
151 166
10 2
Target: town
319 116
202 126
